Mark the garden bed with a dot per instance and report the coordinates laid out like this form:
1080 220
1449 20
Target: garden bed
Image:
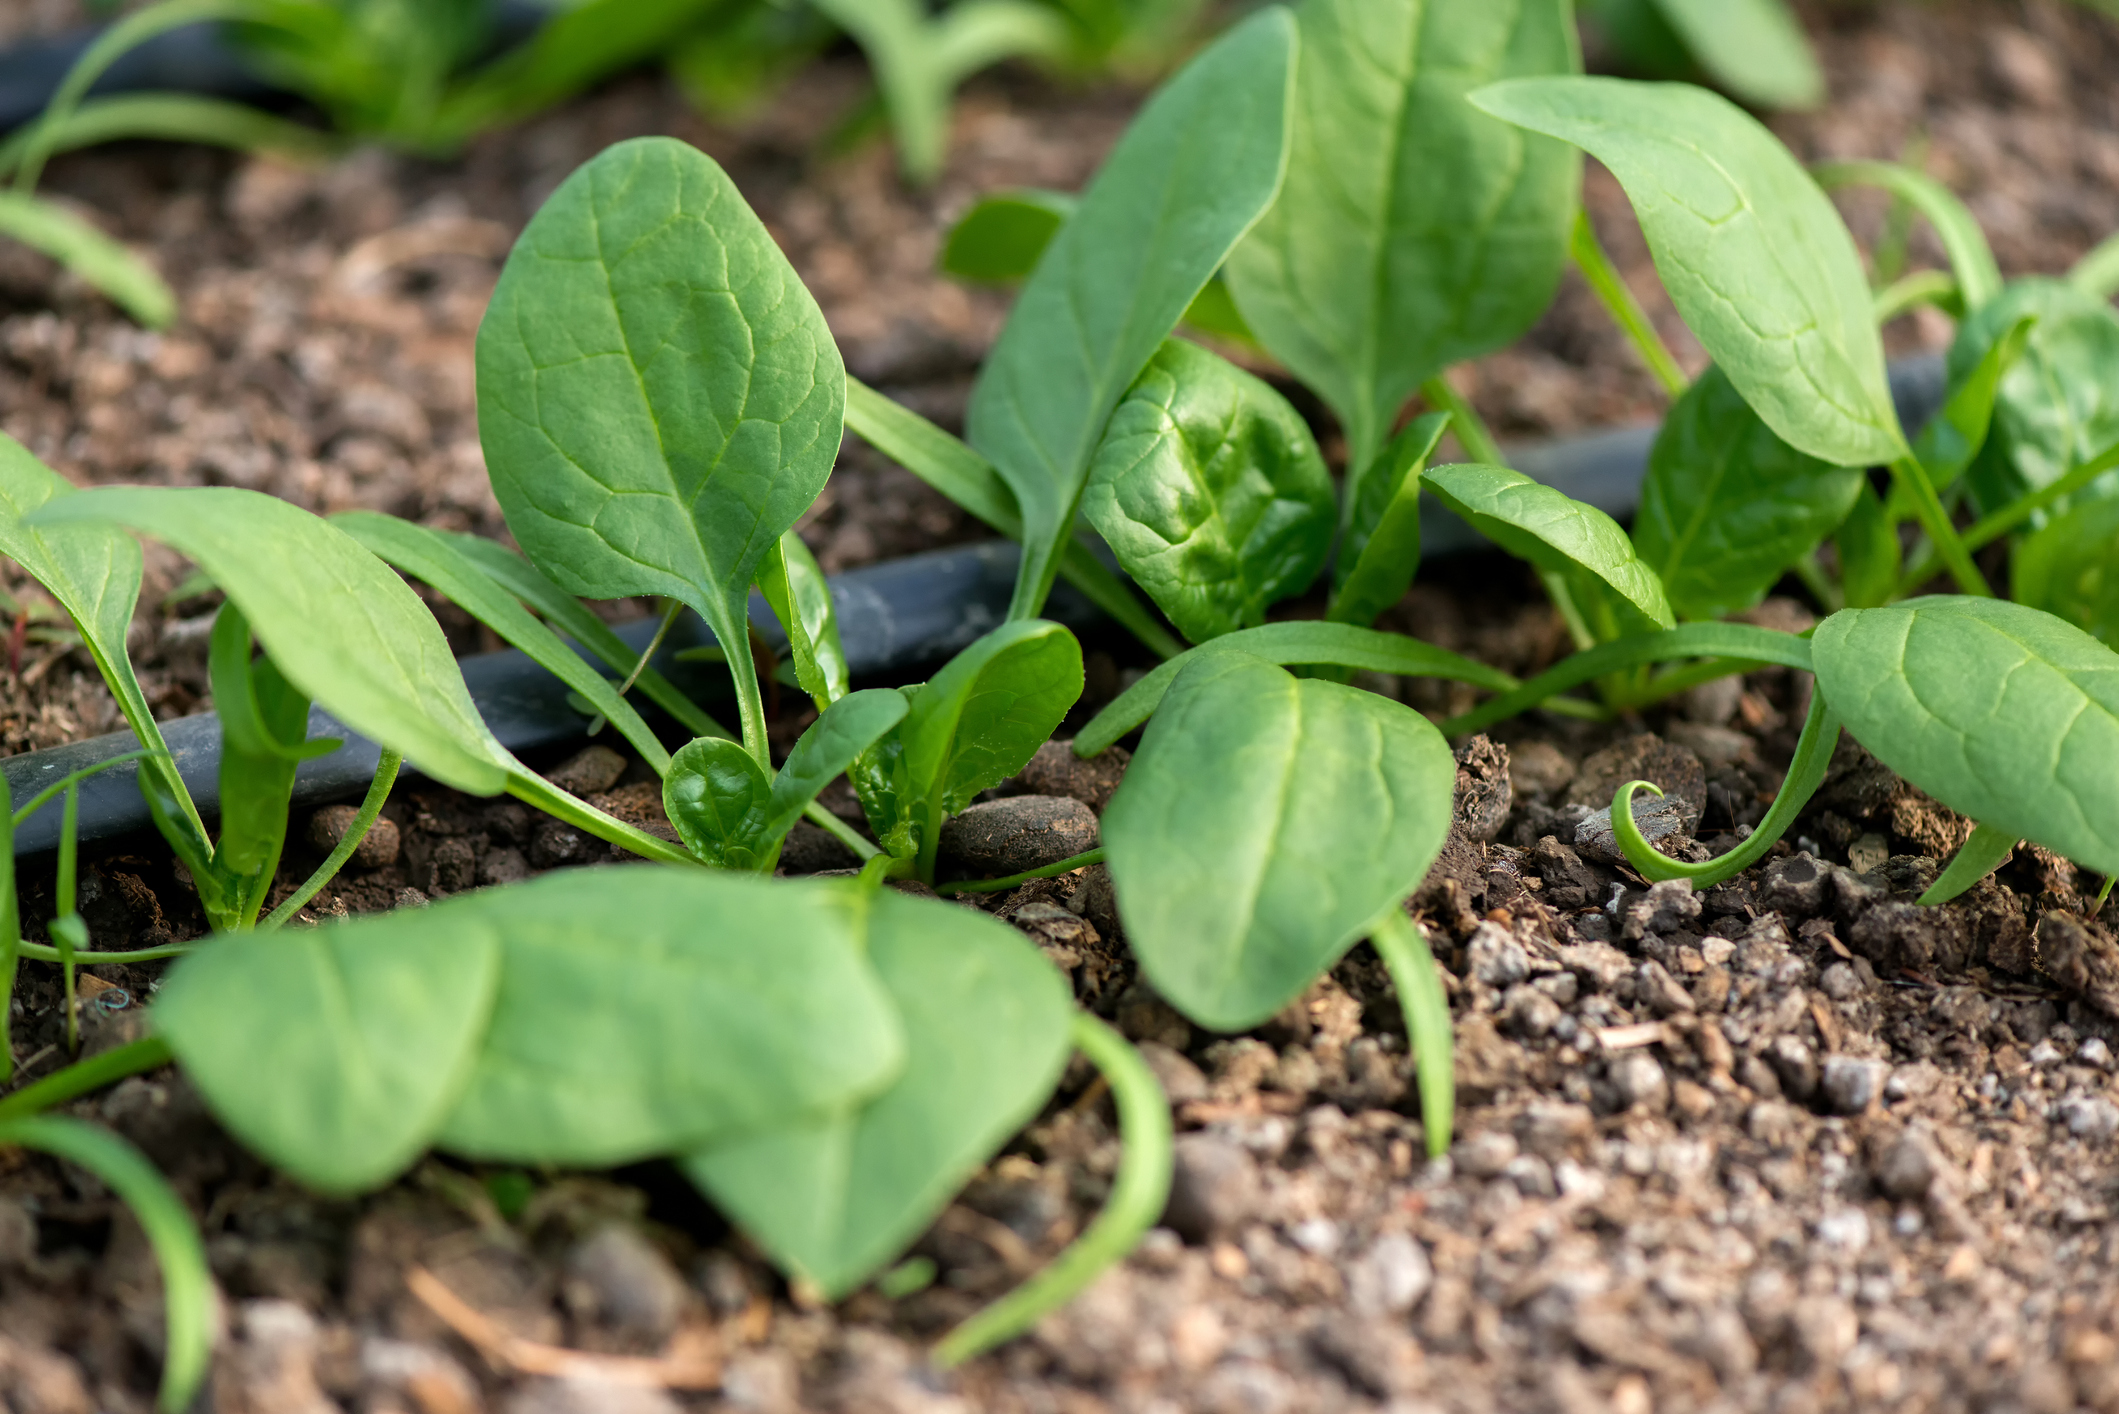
1801 1144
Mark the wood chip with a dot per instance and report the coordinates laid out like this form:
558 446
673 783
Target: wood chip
1626 1038
691 1361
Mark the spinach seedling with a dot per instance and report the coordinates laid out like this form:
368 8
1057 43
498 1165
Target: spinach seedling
1753 48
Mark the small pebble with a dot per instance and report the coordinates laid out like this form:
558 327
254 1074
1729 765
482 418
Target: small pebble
1390 1277
1853 1085
1484 1154
2090 1117
590 770
618 1277
1214 1187
1056 770
377 849
1018 833
2095 1052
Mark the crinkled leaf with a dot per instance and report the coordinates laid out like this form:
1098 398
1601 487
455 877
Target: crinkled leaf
336 620
1728 506
833 742
2070 567
716 796
336 1052
1363 279
1753 253
2059 403
2002 712
795 588
1211 491
658 395
652 1011
1556 533
1381 551
986 1025
1198 165
1264 824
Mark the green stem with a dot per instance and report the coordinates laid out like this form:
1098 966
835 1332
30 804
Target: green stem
2103 894
1136 1203
371 807
535 790
10 933
67 930
88 957
1988 529
1048 871
1913 478
43 797
187 1286
929 852
1822 589
95 1072
1911 291
839 830
2097 273
1464 420
1403 948
1563 599
1813 754
1617 297
1667 685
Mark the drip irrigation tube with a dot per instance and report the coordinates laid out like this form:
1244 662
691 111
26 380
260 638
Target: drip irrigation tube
894 618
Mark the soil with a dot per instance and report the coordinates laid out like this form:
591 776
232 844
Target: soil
1789 1144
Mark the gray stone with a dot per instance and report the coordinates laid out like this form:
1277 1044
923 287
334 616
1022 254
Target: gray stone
1530 1010
1018 833
591 770
1484 1154
1852 1085
1797 886
1494 957
556 844
377 849
1638 1081
1390 1277
2090 1117
578 1395
1841 982
1796 1066
1668 905
2095 1052
1659 818
1599 964
1646 757
1056 770
401 1373
1181 1080
1654 985
1214 1188
809 850
453 867
618 1277
1905 1168
503 865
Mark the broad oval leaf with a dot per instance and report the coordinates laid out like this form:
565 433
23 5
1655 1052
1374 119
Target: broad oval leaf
1556 533
651 1011
2069 567
986 1026
1195 169
828 748
2002 712
1754 255
337 621
336 1052
658 395
1211 491
716 795
982 718
1360 279
1728 506
2058 405
1265 823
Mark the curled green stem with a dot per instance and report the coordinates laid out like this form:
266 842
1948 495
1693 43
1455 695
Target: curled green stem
1403 947
1813 754
1135 1205
1046 871
363 821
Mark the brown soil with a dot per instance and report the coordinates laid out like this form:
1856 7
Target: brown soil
1790 1144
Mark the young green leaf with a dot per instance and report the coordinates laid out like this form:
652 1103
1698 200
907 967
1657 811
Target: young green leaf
1869 553
1359 279
2069 567
264 737
716 795
2058 405
1727 506
2000 711
725 1004
336 1052
833 742
658 395
1381 551
2097 274
1265 823
1193 172
1971 258
1211 491
1754 48
434 556
1753 254
94 572
1955 435
130 282
998 241
1297 641
1556 533
1987 850
794 587
343 628
986 1027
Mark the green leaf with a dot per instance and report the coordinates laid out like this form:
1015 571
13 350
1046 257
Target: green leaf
264 730
998 241
1381 551
435 557
795 588
2059 405
1198 165
2070 568
1363 279
335 619
1971 258
658 395
1727 506
336 1052
1211 491
2097 274
1264 824
94 572
1754 48
1754 255
986 1026
984 715
1955 435
715 795
1985 851
1556 533
1870 556
847 728
723 1005
130 282
2002 712
1297 641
